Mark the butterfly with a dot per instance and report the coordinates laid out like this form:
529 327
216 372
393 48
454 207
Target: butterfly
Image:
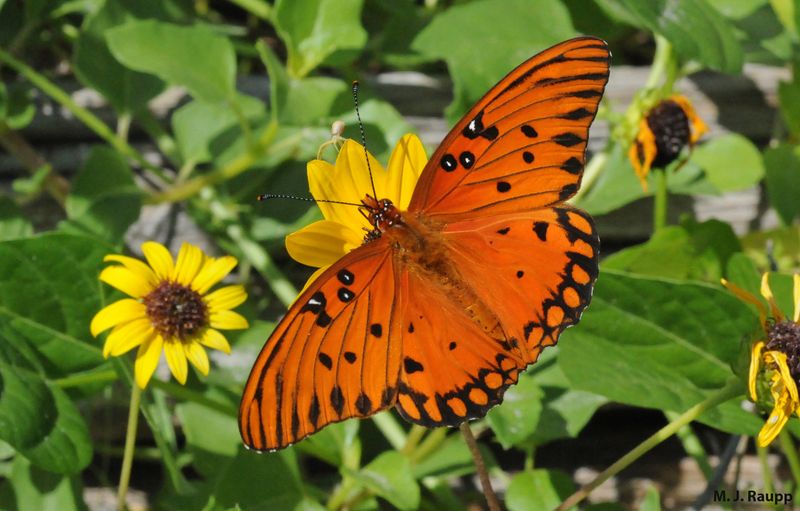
445 303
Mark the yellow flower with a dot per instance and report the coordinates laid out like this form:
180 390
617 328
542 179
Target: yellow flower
664 131
170 308
775 359
326 241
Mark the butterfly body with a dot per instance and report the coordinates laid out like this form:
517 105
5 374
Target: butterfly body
446 301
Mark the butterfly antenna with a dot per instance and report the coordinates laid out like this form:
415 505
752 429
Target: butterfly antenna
265 196
363 138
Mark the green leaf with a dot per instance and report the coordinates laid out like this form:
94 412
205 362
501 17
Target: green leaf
335 443
13 222
651 501
694 28
389 476
698 251
29 487
731 162
477 61
783 180
104 199
48 296
314 29
195 57
210 435
616 185
660 344
41 423
518 417
127 90
200 128
538 489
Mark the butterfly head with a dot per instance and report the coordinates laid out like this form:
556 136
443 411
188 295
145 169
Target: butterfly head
381 215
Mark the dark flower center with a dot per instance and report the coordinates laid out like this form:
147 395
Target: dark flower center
670 127
785 337
176 311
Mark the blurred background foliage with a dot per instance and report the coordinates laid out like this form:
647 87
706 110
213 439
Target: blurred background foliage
660 333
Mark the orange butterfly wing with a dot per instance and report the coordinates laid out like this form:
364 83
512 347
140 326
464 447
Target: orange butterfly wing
335 355
522 146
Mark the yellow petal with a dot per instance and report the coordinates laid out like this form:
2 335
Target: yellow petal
228 320
147 360
176 359
214 270
405 166
226 298
215 340
197 356
190 260
776 421
766 292
796 293
322 243
747 297
126 337
698 127
643 152
159 259
125 280
786 376
118 312
755 365
347 181
136 266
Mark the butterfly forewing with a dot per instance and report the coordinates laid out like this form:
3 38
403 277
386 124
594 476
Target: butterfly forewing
522 146
335 355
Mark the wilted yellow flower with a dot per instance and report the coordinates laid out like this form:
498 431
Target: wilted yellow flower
775 359
170 308
663 132
326 241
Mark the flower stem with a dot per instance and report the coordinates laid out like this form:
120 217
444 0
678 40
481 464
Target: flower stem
692 446
130 444
762 452
732 389
480 466
660 203
790 451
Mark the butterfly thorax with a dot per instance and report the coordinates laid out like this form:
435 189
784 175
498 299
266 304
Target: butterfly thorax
419 247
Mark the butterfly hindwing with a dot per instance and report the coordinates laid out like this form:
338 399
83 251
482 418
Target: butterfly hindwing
543 265
452 368
522 146
335 355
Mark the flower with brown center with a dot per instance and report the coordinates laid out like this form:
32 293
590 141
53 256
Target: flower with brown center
170 308
775 359
664 131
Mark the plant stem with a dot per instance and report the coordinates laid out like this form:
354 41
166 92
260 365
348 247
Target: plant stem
76 380
85 116
661 62
732 389
790 451
480 467
130 444
660 200
57 186
391 430
693 447
185 394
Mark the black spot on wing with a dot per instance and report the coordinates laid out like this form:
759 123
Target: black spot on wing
345 276
567 139
577 114
313 410
325 360
448 163
337 399
350 357
567 192
572 165
503 231
503 186
376 329
540 228
363 404
412 366
529 131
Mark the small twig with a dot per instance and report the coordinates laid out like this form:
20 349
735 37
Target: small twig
480 467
